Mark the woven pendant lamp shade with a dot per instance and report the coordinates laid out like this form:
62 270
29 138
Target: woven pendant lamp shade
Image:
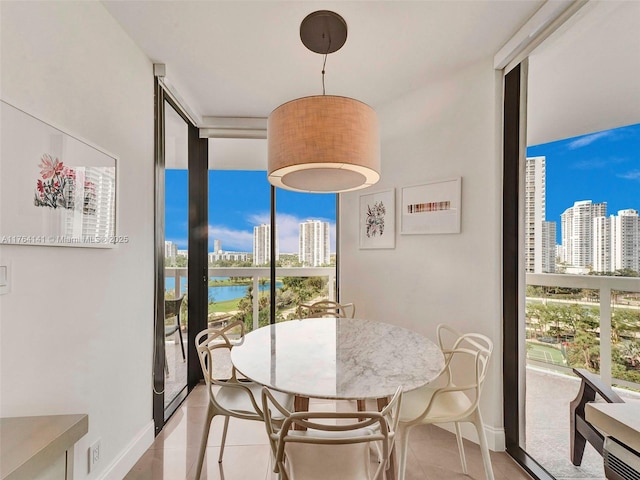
324 144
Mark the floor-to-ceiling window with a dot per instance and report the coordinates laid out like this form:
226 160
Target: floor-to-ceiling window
176 254
572 295
180 253
242 248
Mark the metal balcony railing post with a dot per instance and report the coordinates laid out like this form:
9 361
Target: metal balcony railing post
256 301
605 334
176 283
331 287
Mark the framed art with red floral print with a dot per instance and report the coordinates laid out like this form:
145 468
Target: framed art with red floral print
55 188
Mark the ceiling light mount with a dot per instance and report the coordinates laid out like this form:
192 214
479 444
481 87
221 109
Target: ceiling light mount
323 32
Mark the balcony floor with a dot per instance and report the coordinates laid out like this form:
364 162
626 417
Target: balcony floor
547 425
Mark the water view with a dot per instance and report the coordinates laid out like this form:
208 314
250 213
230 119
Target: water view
221 293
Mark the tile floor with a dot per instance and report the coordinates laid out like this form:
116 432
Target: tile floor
433 454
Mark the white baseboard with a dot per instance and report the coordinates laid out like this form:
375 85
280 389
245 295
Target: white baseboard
124 462
495 436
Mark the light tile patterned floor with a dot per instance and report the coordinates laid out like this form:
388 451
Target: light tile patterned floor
433 454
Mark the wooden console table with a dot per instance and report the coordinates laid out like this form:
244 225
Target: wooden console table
39 448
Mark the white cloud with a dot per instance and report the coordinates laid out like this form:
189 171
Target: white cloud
232 240
182 243
588 139
631 175
591 163
288 230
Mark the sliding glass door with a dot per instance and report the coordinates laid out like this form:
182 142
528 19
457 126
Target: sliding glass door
176 254
180 254
571 254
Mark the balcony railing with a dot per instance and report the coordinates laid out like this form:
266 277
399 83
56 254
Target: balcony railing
605 285
256 273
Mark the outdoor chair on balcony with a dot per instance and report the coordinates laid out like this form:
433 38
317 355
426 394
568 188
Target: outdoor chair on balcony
582 431
453 397
228 395
172 309
326 308
329 445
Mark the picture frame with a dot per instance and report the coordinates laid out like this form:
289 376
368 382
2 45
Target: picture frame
432 207
55 188
377 219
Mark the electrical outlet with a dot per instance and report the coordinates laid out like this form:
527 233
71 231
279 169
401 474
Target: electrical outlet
94 454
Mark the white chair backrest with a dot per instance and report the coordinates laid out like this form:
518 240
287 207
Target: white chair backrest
447 336
325 308
331 446
467 364
214 346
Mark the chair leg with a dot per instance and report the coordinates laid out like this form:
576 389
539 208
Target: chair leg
404 447
203 442
463 460
184 357
224 438
166 365
484 448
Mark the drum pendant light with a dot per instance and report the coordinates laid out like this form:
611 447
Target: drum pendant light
323 143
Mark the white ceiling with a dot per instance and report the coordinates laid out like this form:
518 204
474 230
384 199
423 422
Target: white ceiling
586 77
243 59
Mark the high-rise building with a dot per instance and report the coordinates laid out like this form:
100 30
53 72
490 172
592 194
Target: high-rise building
602 244
217 246
262 244
314 243
577 232
229 256
540 241
625 240
616 242
170 251
548 248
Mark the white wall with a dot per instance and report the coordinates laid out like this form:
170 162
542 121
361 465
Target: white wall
76 330
441 131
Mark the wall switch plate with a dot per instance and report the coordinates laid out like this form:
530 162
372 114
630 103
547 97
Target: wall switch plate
94 454
5 284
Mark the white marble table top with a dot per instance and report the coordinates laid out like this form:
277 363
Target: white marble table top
337 358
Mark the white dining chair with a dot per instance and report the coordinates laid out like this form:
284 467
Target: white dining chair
453 397
330 445
228 395
326 308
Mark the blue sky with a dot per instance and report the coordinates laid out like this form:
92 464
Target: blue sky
238 201
602 167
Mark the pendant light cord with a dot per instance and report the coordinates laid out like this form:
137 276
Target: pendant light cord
325 63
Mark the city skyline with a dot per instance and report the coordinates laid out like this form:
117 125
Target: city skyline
238 202
603 167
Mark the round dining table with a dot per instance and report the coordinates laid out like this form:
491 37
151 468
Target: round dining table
337 358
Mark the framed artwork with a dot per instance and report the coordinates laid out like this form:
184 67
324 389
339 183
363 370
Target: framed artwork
378 220
55 189
432 207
